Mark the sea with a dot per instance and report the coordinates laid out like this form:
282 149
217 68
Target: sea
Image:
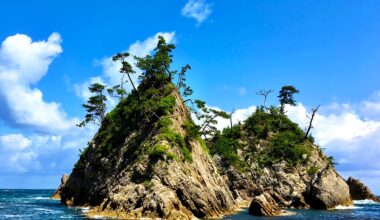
36 204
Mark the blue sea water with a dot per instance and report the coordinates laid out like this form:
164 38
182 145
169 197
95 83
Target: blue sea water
36 204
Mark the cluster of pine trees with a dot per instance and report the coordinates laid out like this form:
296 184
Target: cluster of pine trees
156 72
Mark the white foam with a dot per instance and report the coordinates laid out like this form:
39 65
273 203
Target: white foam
341 207
85 209
365 202
41 198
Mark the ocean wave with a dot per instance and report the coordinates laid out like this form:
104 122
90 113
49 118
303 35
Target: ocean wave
15 216
365 202
41 198
97 217
47 211
341 207
67 216
84 209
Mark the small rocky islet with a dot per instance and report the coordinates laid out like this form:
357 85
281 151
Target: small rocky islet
150 160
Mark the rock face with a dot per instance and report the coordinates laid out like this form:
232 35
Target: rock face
57 193
157 172
264 205
328 190
359 191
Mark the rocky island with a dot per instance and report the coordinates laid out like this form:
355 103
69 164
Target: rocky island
150 160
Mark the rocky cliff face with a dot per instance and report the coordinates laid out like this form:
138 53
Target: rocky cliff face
156 171
359 191
58 192
328 190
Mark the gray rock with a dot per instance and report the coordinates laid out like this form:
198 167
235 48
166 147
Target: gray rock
57 193
359 191
328 190
264 205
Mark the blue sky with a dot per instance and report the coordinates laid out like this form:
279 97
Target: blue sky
329 50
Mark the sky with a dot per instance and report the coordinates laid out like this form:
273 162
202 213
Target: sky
51 51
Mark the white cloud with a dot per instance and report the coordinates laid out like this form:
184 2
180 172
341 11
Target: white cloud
197 9
346 126
50 132
22 64
14 142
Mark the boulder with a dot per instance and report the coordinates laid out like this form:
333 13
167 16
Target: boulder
359 191
57 193
264 205
328 190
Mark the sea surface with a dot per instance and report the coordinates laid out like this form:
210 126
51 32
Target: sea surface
36 204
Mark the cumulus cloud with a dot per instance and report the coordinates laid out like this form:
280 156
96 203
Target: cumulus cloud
346 126
22 64
45 133
14 142
197 9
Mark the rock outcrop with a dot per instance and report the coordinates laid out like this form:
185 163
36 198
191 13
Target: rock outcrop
294 178
359 191
57 193
158 170
264 205
328 190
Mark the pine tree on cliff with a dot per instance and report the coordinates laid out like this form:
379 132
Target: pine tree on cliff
95 106
286 97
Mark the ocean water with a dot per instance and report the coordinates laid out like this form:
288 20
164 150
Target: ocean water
36 204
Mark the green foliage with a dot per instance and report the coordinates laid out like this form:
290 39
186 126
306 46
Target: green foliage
203 144
286 96
158 151
148 184
331 160
261 123
280 140
165 122
284 146
133 115
95 106
80 164
172 156
126 69
312 171
208 117
192 129
285 138
226 145
177 140
166 104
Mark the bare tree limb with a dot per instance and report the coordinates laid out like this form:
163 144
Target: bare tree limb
314 111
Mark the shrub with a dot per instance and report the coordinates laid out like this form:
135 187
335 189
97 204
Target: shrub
312 171
158 151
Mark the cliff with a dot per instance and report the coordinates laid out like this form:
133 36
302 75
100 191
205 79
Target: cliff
144 163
